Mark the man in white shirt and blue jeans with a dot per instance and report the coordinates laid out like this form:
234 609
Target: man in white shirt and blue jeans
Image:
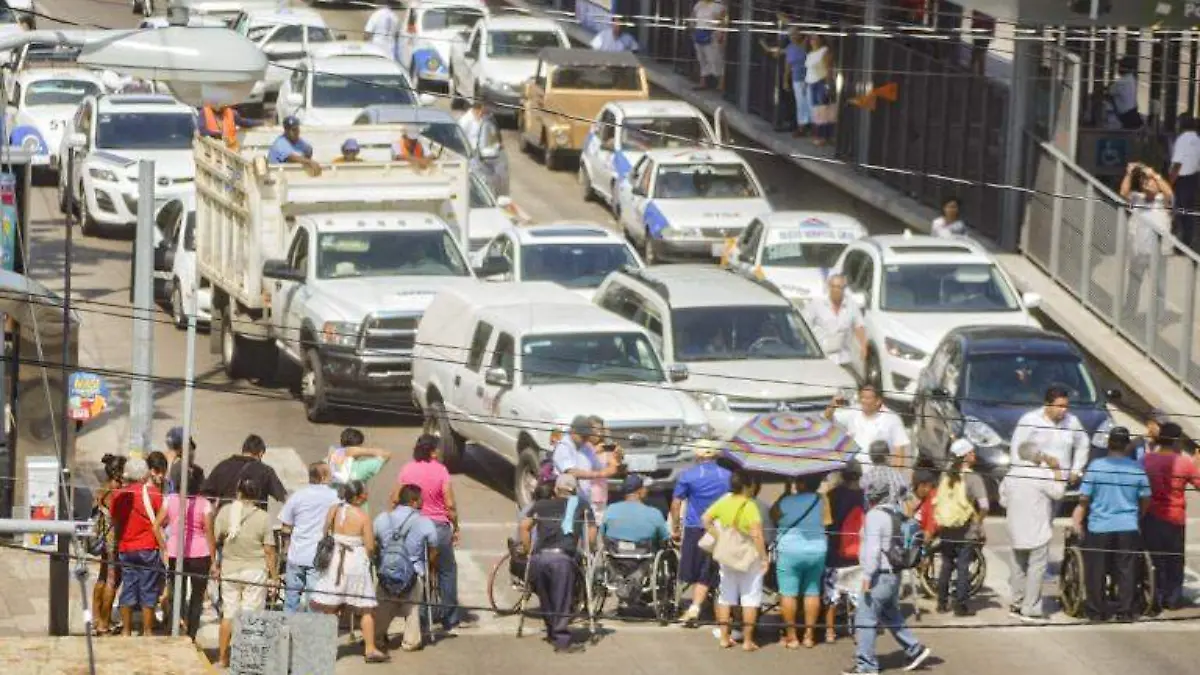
303 519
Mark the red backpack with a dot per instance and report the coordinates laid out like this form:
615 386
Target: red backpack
850 533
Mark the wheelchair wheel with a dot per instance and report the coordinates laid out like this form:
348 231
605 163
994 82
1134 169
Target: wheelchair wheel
1072 591
1147 600
664 586
930 567
505 593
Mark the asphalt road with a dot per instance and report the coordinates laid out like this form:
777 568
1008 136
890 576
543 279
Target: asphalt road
225 412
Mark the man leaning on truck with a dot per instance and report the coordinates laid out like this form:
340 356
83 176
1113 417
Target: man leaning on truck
290 148
222 121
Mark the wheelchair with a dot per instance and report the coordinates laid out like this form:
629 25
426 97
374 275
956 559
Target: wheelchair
641 575
1072 585
510 591
927 571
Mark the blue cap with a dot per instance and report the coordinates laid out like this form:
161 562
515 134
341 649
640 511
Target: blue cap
291 122
632 483
175 438
350 145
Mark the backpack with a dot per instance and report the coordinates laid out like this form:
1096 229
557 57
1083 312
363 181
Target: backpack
849 535
907 542
951 507
396 570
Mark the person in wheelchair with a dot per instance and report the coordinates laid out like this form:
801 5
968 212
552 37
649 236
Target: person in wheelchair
1114 496
633 531
958 509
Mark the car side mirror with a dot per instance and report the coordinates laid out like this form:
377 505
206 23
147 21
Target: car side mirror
939 392
76 140
295 99
426 100
638 191
164 257
490 152
1031 300
677 372
497 377
1113 394
494 266
281 270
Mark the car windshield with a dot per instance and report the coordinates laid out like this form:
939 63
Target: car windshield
450 17
704 181
420 253
520 43
481 197
42 54
574 265
360 91
1022 379
641 134
803 254
446 134
965 287
738 333
589 357
598 78
145 131
58 92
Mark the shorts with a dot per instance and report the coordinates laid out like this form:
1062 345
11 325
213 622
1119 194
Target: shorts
741 589
800 573
695 565
142 576
243 591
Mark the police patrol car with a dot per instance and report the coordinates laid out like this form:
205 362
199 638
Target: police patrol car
43 102
687 203
431 26
625 130
794 250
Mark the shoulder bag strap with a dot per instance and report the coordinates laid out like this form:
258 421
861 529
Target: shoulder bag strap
148 503
802 515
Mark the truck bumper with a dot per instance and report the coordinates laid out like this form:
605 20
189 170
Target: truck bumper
354 378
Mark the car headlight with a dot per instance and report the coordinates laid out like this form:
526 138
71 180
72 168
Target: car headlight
712 401
696 432
903 350
980 434
102 174
1100 438
339 334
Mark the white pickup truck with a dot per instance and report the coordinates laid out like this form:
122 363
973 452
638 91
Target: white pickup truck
332 273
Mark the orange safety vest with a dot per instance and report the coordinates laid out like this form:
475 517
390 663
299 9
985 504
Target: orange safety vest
227 127
416 150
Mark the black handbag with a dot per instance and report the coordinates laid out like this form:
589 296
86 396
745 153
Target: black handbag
325 549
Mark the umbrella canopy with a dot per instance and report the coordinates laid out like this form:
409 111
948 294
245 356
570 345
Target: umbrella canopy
790 444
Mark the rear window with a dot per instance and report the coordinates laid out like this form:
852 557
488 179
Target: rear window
602 78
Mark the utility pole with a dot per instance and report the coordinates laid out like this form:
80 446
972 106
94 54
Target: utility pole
186 461
60 571
141 405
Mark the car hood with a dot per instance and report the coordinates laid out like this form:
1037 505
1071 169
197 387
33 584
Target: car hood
769 379
513 71
1003 418
711 212
803 282
352 299
329 117
170 164
924 330
619 404
488 222
42 117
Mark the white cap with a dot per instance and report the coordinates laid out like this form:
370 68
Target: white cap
961 448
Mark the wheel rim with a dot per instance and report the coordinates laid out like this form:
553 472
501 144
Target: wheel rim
226 341
648 249
526 484
308 385
177 307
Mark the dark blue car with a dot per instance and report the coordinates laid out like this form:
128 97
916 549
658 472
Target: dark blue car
982 379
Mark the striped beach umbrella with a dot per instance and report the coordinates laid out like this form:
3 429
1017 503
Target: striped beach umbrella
790 444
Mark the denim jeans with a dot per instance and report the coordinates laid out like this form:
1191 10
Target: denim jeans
298 581
447 577
880 607
803 103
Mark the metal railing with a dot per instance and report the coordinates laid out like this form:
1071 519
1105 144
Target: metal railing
1078 231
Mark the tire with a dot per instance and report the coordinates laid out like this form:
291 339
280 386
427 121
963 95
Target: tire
525 475
551 158
1072 590
87 225
526 147
647 249
585 183
178 316
234 353
1147 598
504 593
313 390
451 444
873 372
663 589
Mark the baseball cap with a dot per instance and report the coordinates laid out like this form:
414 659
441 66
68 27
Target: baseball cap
581 425
961 448
1118 436
632 483
291 122
706 448
175 439
566 483
350 145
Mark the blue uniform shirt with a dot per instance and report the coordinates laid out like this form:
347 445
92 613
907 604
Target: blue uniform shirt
1114 486
701 485
282 148
795 54
634 521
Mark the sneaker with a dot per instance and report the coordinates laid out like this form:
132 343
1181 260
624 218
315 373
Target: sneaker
573 648
1033 618
916 661
690 617
1014 611
736 634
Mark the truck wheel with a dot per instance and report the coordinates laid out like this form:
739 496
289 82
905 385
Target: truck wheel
87 225
178 316
312 388
550 156
451 444
234 354
585 183
525 475
649 256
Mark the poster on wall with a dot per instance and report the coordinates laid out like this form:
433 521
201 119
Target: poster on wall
595 15
88 396
8 221
41 480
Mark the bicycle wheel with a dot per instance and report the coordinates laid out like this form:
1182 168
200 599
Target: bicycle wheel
1071 589
978 570
504 592
926 575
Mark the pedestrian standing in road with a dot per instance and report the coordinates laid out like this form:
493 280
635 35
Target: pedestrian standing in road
383 27
195 523
248 559
303 525
924 491
801 547
958 509
560 522
793 52
614 39
347 584
404 532
871 421
135 509
572 457
1029 493
950 224
606 457
1185 180
471 122
837 322
708 35
847 515
736 516
105 591
222 484
880 472
698 486
351 460
879 606
1055 432
1165 525
818 76
174 455
1149 234
440 506
1114 496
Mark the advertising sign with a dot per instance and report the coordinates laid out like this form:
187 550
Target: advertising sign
89 396
41 480
8 221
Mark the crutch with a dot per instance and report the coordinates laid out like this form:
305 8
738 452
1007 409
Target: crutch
525 595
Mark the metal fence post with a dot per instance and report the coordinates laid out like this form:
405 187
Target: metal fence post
1056 218
1189 326
1118 313
1085 267
745 47
1156 262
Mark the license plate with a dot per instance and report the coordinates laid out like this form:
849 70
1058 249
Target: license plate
641 463
718 250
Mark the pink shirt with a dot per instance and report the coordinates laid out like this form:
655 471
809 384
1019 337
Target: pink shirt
194 542
433 479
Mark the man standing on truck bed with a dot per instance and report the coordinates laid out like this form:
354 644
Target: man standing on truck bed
290 148
223 121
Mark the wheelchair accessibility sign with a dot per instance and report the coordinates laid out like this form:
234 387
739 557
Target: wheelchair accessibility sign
1112 153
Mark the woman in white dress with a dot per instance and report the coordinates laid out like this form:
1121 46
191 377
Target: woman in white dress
347 582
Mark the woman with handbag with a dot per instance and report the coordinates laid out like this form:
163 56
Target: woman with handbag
800 548
818 79
248 559
734 535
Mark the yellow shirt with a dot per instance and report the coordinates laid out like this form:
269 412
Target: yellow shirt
732 506
343 160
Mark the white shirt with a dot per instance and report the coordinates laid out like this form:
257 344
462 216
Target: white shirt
470 125
1187 153
884 425
815 68
381 26
707 14
1066 441
1149 226
1029 494
834 330
568 456
1123 93
605 41
941 228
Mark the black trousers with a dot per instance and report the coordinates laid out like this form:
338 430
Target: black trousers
554 582
1187 198
1110 554
956 560
194 588
1166 544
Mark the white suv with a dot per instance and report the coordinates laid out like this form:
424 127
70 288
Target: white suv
502 365
498 56
746 349
915 289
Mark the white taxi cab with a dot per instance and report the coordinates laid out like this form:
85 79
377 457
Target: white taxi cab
794 250
687 203
43 102
625 130
333 86
431 27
